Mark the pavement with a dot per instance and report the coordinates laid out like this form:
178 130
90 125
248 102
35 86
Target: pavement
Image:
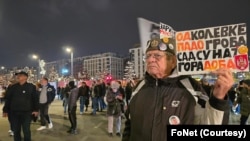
90 128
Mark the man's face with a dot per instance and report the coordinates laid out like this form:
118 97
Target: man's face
43 82
21 78
83 84
158 64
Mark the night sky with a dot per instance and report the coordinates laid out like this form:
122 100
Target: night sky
44 27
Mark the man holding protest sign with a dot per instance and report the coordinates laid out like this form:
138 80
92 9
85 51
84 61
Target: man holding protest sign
165 98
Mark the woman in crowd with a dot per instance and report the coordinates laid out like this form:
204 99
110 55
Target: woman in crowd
114 99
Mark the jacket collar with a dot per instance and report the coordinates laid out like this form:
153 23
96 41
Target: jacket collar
173 78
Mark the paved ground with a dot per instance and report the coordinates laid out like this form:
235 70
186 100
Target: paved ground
91 128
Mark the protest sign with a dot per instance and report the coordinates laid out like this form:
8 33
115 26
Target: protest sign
203 50
147 31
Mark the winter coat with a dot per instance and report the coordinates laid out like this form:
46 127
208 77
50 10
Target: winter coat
244 100
114 105
73 97
51 93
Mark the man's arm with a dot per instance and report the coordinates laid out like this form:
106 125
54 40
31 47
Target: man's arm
53 93
209 110
6 107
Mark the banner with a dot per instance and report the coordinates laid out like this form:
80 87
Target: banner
203 50
147 30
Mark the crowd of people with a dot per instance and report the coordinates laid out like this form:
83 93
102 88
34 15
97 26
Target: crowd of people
26 102
108 96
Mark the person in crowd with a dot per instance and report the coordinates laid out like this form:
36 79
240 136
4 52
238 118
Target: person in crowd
58 92
2 94
65 98
38 90
94 95
83 95
46 97
128 91
102 92
114 98
240 87
87 102
72 106
232 98
12 82
21 102
122 91
164 98
244 100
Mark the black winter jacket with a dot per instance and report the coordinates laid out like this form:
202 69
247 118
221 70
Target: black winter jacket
152 108
21 98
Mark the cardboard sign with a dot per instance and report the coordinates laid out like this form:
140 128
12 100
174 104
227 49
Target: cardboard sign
203 50
147 31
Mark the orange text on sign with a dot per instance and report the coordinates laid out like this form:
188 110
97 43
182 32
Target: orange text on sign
190 45
220 63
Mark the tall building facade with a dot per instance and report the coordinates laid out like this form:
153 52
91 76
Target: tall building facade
95 66
62 67
104 64
59 66
136 56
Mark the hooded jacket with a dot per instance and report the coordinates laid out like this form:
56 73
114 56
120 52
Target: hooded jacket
162 102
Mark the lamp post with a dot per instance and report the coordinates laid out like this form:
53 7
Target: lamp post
35 57
2 69
69 50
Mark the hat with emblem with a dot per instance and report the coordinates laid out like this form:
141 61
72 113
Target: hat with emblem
164 44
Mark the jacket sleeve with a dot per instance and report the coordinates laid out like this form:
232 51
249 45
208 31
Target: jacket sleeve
215 111
210 110
53 93
6 107
127 129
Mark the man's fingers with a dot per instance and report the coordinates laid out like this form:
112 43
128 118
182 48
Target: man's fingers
224 73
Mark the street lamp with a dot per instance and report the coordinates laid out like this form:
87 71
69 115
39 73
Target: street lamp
35 57
69 50
2 69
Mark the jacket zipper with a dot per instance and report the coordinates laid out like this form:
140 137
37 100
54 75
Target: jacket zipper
156 99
